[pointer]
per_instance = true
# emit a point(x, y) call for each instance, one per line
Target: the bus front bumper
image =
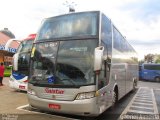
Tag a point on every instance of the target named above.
point(14, 84)
point(86, 107)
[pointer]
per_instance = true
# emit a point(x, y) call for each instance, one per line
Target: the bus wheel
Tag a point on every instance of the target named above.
point(114, 98)
point(134, 86)
point(157, 79)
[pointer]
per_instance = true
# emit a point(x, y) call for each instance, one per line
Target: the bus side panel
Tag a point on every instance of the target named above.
point(148, 74)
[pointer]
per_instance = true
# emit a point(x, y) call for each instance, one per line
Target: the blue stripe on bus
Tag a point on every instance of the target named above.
point(18, 76)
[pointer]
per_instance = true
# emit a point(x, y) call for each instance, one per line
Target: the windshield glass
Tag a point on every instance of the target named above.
point(69, 25)
point(23, 58)
point(23, 64)
point(63, 63)
point(25, 46)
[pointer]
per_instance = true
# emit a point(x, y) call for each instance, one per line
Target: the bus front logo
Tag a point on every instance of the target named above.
point(54, 91)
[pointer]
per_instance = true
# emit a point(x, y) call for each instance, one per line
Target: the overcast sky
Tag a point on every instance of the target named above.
point(137, 20)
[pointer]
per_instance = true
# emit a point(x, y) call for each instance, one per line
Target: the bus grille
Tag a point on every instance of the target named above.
point(56, 96)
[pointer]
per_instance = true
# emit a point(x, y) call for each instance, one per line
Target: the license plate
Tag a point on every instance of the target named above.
point(54, 106)
point(21, 87)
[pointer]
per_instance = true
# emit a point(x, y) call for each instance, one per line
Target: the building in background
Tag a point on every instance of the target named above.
point(6, 56)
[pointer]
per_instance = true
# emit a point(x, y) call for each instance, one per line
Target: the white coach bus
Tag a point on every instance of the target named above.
point(80, 64)
point(19, 77)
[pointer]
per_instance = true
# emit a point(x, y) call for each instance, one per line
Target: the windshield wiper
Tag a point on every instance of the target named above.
point(69, 80)
point(35, 80)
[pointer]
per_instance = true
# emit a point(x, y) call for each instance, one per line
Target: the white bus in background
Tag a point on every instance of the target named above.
point(19, 77)
point(80, 64)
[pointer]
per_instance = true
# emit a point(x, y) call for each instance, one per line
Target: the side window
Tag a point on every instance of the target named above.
point(116, 39)
point(107, 34)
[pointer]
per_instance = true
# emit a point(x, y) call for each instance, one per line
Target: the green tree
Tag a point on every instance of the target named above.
point(157, 59)
point(149, 58)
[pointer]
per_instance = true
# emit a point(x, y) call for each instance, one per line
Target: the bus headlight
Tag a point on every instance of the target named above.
point(32, 92)
point(86, 95)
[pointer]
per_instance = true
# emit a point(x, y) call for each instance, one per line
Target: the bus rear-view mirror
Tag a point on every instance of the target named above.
point(98, 57)
point(15, 62)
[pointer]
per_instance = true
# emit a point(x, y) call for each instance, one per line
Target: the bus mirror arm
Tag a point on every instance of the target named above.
point(15, 62)
point(105, 58)
point(98, 58)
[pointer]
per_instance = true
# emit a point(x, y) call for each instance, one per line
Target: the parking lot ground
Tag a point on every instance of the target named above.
point(11, 100)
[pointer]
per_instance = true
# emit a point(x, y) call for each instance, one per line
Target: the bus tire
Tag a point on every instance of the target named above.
point(157, 79)
point(134, 86)
point(114, 98)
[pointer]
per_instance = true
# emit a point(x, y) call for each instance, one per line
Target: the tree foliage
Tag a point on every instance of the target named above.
point(157, 59)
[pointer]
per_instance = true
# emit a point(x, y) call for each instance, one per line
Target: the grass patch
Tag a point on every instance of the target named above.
point(7, 72)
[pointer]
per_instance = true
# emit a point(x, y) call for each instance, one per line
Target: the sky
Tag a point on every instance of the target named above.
point(137, 20)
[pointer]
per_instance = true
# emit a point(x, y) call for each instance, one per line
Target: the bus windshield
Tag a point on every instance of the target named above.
point(63, 63)
point(23, 58)
point(23, 64)
point(25, 46)
point(82, 24)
